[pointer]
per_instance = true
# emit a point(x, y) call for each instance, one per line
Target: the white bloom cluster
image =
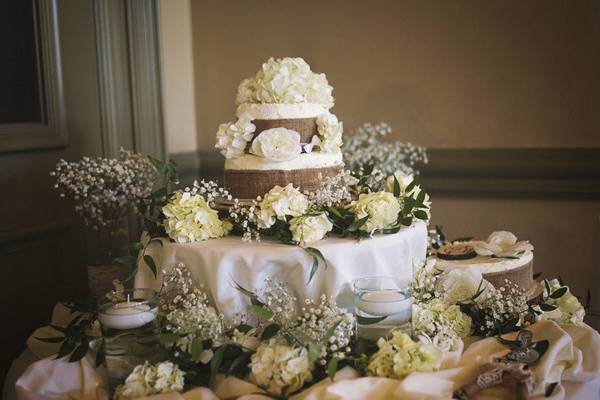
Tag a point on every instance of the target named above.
point(568, 308)
point(424, 282)
point(104, 190)
point(186, 311)
point(309, 228)
point(233, 138)
point(330, 133)
point(364, 146)
point(461, 285)
point(189, 217)
point(280, 203)
point(400, 355)
point(246, 217)
point(501, 244)
point(316, 319)
point(500, 306)
point(334, 191)
point(280, 369)
point(442, 324)
point(380, 208)
point(286, 80)
point(277, 144)
point(278, 298)
point(147, 380)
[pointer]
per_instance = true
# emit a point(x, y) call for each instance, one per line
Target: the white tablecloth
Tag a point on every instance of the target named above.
point(573, 358)
point(217, 263)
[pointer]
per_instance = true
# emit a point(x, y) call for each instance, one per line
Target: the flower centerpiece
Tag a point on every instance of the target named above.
point(105, 191)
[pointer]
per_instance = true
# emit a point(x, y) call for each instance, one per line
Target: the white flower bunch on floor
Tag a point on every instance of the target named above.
point(186, 311)
point(400, 355)
point(442, 324)
point(147, 380)
point(314, 324)
point(105, 190)
point(279, 368)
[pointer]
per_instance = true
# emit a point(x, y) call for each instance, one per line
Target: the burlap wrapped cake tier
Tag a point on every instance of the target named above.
point(522, 276)
point(306, 127)
point(248, 184)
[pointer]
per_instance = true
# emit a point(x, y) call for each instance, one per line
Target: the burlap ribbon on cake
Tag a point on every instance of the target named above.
point(248, 184)
point(306, 127)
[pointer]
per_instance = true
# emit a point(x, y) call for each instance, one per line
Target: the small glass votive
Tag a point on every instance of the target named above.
point(130, 331)
point(381, 304)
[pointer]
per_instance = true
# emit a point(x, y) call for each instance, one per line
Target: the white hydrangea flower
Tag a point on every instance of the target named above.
point(461, 284)
point(277, 144)
point(381, 208)
point(189, 218)
point(286, 80)
point(280, 369)
point(308, 229)
point(147, 380)
point(441, 323)
point(568, 308)
point(330, 133)
point(279, 203)
point(501, 244)
point(233, 138)
point(400, 355)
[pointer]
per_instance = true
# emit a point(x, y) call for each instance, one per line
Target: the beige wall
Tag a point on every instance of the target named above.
point(443, 73)
point(178, 75)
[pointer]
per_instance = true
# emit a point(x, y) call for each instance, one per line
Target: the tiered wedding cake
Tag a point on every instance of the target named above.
point(284, 131)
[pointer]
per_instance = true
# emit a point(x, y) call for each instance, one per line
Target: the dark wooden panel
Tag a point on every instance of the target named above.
point(543, 173)
point(30, 285)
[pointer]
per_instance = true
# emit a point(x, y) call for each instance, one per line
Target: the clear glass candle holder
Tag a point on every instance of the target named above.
point(130, 330)
point(381, 304)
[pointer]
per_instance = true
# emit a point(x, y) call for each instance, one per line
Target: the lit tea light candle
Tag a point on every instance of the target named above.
point(127, 315)
point(384, 303)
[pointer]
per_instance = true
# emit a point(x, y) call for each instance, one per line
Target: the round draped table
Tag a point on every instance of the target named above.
point(218, 263)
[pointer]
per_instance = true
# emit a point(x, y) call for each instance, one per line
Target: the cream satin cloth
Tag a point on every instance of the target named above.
point(573, 358)
point(217, 263)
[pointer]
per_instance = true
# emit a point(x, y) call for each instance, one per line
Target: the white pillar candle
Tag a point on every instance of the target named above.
point(384, 303)
point(127, 315)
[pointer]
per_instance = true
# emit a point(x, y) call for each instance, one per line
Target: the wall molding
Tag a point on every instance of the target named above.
point(114, 87)
point(572, 173)
point(558, 173)
point(52, 131)
point(129, 78)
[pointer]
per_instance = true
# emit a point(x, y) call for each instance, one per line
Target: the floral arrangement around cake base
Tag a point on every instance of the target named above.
point(282, 346)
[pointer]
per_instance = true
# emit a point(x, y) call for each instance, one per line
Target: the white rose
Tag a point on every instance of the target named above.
point(308, 229)
point(279, 203)
point(381, 208)
point(501, 244)
point(461, 284)
point(403, 179)
point(277, 144)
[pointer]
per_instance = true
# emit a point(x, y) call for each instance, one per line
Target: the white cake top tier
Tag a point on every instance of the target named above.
point(303, 161)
